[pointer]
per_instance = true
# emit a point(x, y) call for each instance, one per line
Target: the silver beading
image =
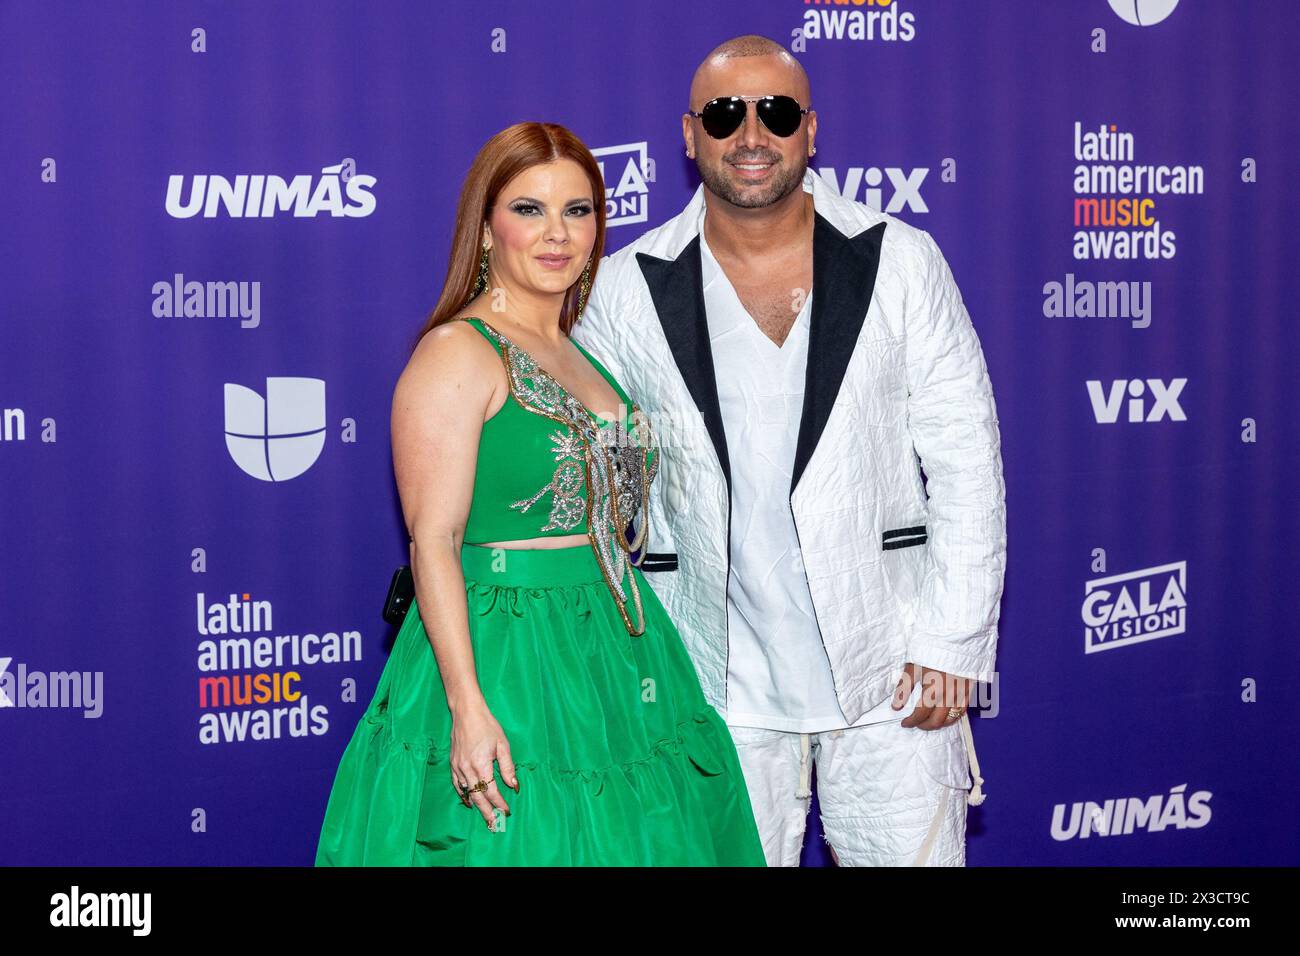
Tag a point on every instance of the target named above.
point(618, 465)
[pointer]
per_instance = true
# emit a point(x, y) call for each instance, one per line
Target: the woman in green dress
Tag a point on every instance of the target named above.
point(539, 707)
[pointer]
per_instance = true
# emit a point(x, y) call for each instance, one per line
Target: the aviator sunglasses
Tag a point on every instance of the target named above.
point(722, 116)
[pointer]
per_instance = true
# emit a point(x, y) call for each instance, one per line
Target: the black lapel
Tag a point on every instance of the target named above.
point(844, 275)
point(677, 289)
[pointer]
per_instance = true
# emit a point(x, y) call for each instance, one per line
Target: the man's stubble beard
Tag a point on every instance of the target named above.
point(785, 181)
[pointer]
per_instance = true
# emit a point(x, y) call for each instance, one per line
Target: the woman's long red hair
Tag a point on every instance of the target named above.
point(506, 155)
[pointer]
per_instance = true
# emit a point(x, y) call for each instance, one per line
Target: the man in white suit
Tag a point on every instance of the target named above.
point(800, 354)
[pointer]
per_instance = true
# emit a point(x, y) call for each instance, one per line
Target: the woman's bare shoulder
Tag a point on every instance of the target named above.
point(451, 355)
point(454, 341)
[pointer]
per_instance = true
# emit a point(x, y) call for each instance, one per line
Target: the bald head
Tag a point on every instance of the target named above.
point(728, 60)
point(750, 166)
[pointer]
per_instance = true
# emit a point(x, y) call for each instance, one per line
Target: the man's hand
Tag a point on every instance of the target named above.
point(940, 692)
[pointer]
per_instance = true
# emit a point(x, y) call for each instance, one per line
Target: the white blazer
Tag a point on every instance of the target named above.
point(895, 370)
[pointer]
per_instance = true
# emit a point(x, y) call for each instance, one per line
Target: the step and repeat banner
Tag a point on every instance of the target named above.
point(226, 221)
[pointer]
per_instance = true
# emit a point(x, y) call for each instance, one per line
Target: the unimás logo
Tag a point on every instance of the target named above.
point(278, 437)
point(1149, 399)
point(1137, 606)
point(340, 191)
point(627, 190)
point(1120, 816)
point(1143, 13)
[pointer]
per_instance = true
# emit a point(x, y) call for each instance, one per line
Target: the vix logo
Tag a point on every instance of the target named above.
point(1164, 400)
point(1143, 13)
point(278, 437)
point(906, 185)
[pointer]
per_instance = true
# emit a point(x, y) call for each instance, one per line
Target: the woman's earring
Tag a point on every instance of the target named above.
point(814, 151)
point(584, 287)
point(481, 282)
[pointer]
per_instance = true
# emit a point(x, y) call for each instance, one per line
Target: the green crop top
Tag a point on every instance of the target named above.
point(539, 455)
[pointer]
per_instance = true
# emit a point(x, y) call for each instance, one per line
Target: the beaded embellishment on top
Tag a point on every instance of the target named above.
point(611, 461)
point(567, 507)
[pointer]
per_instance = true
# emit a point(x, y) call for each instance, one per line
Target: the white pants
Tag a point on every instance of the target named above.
point(889, 795)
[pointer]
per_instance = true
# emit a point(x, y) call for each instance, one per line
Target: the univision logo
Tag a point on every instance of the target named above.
point(1143, 13)
point(280, 436)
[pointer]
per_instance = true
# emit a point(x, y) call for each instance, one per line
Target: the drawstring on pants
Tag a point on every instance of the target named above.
point(805, 773)
point(976, 795)
point(974, 798)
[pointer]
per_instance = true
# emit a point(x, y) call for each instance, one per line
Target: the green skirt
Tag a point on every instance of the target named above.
point(621, 760)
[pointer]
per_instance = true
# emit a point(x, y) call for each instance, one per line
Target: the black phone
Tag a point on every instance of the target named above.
point(401, 592)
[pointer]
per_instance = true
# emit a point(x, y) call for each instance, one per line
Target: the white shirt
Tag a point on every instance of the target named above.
point(778, 674)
